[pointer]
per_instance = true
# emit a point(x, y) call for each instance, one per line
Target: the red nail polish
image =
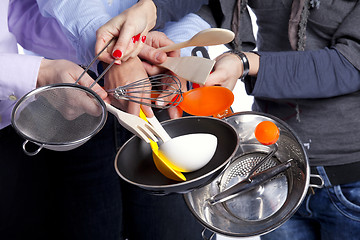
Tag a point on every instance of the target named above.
point(212, 71)
point(117, 54)
point(136, 38)
point(195, 85)
point(143, 38)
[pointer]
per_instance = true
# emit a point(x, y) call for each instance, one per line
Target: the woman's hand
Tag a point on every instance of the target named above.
point(152, 56)
point(126, 73)
point(130, 28)
point(227, 70)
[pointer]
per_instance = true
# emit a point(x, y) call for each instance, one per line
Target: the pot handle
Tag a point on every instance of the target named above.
point(31, 153)
point(204, 237)
point(321, 185)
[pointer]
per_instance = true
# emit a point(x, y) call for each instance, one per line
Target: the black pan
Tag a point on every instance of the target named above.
point(134, 162)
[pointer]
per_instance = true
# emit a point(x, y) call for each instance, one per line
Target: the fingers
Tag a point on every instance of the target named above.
point(152, 54)
point(87, 81)
point(175, 112)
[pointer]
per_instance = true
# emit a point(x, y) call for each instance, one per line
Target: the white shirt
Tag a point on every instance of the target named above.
point(80, 20)
point(18, 73)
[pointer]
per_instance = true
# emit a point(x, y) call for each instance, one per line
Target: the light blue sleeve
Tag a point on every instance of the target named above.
point(79, 20)
point(184, 29)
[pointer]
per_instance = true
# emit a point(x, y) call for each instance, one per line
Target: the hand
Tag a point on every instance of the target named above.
point(131, 28)
point(152, 56)
point(124, 74)
point(227, 70)
point(63, 71)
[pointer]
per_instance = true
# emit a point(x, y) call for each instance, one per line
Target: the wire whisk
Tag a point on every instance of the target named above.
point(161, 91)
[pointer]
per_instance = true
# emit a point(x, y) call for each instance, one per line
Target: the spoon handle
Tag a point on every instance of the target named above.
point(175, 46)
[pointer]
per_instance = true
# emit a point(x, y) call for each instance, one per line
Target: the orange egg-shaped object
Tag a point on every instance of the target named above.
point(267, 132)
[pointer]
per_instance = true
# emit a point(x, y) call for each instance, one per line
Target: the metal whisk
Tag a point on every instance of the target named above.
point(162, 91)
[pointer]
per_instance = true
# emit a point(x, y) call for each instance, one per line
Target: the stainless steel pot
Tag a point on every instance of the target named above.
point(266, 206)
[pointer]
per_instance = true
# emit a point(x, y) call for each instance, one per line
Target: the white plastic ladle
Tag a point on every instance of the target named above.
point(185, 153)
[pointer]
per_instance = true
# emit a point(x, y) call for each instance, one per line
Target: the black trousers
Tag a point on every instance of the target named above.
point(78, 195)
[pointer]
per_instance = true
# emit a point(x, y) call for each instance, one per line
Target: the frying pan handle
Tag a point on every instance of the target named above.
point(31, 153)
point(204, 237)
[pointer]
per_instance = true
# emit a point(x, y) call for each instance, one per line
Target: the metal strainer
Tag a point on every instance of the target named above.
point(64, 116)
point(59, 117)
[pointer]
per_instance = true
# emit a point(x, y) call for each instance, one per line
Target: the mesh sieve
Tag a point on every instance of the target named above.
point(59, 114)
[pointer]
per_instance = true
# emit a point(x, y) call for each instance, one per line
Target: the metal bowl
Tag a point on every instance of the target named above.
point(134, 162)
point(265, 207)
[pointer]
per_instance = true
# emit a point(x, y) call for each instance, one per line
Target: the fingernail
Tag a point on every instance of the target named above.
point(117, 54)
point(143, 38)
point(136, 38)
point(212, 71)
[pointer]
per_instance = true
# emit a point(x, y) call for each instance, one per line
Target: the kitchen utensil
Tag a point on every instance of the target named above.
point(158, 89)
point(185, 153)
point(134, 162)
point(193, 69)
point(64, 116)
point(249, 183)
point(134, 124)
point(207, 37)
point(40, 117)
point(260, 208)
point(189, 152)
point(161, 163)
point(207, 101)
point(267, 133)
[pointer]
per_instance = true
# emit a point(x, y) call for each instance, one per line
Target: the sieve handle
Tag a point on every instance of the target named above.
point(31, 153)
point(249, 183)
point(203, 234)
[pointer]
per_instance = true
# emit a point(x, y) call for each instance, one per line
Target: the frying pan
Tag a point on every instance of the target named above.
point(134, 162)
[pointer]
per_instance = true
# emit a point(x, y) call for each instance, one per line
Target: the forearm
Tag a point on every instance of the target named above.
point(80, 30)
point(174, 10)
point(309, 74)
point(15, 81)
point(39, 34)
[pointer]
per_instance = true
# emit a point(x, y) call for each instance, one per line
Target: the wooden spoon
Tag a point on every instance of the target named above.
point(207, 37)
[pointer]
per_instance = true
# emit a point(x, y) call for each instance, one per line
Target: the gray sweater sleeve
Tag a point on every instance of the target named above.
point(173, 10)
point(309, 74)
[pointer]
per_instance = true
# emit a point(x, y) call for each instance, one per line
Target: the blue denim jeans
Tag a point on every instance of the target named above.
point(77, 195)
point(332, 213)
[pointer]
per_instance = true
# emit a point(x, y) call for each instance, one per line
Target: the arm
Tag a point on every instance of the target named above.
point(318, 73)
point(309, 74)
point(280, 75)
point(15, 81)
point(176, 9)
point(80, 30)
point(47, 38)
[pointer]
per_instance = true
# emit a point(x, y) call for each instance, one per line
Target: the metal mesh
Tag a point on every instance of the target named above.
point(241, 167)
point(60, 114)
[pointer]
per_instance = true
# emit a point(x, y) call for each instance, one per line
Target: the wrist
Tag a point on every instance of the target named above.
point(43, 74)
point(245, 63)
